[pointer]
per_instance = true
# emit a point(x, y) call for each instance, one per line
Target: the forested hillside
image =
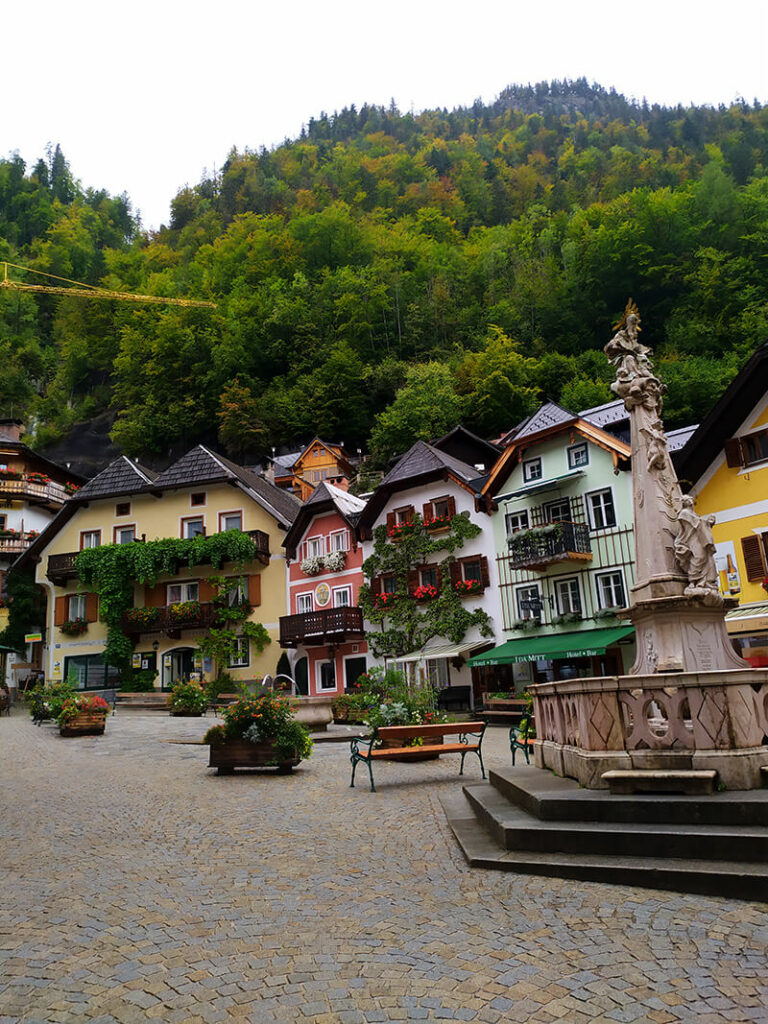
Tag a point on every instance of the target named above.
point(387, 274)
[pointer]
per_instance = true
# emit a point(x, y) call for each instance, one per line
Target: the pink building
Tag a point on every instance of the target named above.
point(325, 572)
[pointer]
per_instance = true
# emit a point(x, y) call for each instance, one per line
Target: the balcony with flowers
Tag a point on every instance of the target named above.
point(36, 488)
point(14, 542)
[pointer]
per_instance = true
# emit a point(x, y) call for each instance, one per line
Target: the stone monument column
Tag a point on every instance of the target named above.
point(676, 606)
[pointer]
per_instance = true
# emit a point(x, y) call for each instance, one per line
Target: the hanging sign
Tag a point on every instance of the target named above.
point(135, 661)
point(33, 638)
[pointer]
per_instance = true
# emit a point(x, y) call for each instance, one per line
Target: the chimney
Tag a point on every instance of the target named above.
point(11, 430)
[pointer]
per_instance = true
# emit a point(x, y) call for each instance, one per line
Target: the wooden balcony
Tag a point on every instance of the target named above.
point(51, 495)
point(170, 619)
point(12, 546)
point(319, 629)
point(544, 546)
point(61, 567)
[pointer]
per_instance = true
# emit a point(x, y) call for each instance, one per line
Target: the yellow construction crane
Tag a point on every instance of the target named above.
point(87, 291)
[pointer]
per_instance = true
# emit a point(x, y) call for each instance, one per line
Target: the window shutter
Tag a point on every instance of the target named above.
point(734, 453)
point(409, 513)
point(60, 611)
point(451, 505)
point(376, 585)
point(426, 510)
point(413, 581)
point(455, 570)
point(91, 607)
point(154, 597)
point(390, 520)
point(485, 575)
point(206, 592)
point(754, 561)
point(254, 590)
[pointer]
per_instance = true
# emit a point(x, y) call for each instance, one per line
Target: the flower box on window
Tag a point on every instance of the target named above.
point(336, 561)
point(184, 611)
point(9, 474)
point(469, 586)
point(38, 478)
point(313, 565)
point(401, 530)
point(437, 522)
point(426, 592)
point(384, 600)
point(142, 616)
point(74, 627)
point(70, 488)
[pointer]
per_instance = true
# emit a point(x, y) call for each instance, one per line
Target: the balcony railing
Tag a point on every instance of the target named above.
point(48, 494)
point(331, 626)
point(170, 619)
point(542, 546)
point(15, 545)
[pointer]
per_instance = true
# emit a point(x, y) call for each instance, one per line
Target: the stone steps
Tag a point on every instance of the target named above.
point(691, 783)
point(727, 878)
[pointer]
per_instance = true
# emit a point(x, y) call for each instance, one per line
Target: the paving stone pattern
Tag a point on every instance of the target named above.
point(140, 886)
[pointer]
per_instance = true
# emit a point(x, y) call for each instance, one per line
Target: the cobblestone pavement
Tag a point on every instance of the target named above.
point(138, 885)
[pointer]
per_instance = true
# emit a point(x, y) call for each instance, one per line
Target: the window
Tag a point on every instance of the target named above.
point(557, 511)
point(314, 547)
point(472, 569)
point(304, 604)
point(230, 521)
point(568, 596)
point(437, 672)
point(404, 515)
point(532, 470)
point(123, 508)
point(601, 511)
point(125, 534)
point(90, 672)
point(317, 476)
point(238, 592)
point(388, 584)
point(428, 576)
point(528, 601)
point(90, 539)
point(178, 592)
point(3, 520)
point(316, 453)
point(76, 607)
point(610, 590)
point(339, 541)
point(517, 521)
point(192, 526)
point(240, 656)
point(197, 498)
point(327, 671)
point(578, 455)
point(342, 597)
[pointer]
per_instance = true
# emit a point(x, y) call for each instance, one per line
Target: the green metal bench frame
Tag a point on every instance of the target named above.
point(519, 740)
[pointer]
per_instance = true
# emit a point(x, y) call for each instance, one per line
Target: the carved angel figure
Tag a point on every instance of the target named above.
point(657, 444)
point(695, 548)
point(635, 381)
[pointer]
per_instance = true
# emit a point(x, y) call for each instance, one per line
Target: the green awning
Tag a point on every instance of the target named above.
point(555, 646)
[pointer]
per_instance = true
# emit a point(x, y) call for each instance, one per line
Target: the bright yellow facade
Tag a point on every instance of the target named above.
point(154, 516)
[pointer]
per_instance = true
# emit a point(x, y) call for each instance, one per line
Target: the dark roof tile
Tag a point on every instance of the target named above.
point(120, 477)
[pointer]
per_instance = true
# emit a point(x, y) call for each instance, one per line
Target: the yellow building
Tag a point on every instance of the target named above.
point(724, 466)
point(201, 494)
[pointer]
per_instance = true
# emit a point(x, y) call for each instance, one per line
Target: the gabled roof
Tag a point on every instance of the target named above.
point(120, 477)
point(550, 414)
point(461, 442)
point(420, 464)
point(324, 498)
point(746, 389)
point(550, 425)
point(336, 450)
point(606, 414)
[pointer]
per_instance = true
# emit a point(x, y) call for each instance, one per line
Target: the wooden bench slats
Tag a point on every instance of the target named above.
point(405, 732)
point(387, 732)
point(442, 748)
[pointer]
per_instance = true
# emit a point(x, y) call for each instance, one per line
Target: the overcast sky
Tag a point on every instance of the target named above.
point(143, 96)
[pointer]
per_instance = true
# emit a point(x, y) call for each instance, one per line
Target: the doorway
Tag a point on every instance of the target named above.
point(177, 664)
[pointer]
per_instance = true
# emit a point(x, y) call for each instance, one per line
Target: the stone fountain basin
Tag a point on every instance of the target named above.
point(314, 713)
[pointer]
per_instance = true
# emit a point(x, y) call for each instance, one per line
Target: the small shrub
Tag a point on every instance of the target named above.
point(188, 697)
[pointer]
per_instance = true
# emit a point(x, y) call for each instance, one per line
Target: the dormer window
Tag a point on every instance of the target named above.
point(578, 455)
point(532, 470)
point(197, 498)
point(123, 508)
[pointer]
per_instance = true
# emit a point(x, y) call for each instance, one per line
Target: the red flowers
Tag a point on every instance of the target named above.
point(384, 600)
point(425, 592)
point(469, 586)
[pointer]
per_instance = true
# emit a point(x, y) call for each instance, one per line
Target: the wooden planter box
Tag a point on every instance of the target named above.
point(85, 724)
point(243, 754)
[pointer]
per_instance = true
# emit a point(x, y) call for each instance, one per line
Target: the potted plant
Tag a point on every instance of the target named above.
point(312, 566)
point(38, 478)
point(146, 616)
point(258, 732)
point(83, 714)
point(188, 699)
point(469, 586)
point(70, 488)
point(336, 561)
point(74, 627)
point(184, 611)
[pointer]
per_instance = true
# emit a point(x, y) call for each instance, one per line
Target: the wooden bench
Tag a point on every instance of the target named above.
point(519, 740)
point(363, 749)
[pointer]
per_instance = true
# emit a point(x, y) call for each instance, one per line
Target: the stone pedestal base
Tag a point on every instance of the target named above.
point(681, 634)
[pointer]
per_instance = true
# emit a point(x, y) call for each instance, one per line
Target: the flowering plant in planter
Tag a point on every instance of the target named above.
point(187, 698)
point(81, 703)
point(146, 616)
point(336, 561)
point(764, 583)
point(384, 600)
point(38, 478)
point(401, 530)
point(71, 488)
point(10, 534)
point(267, 718)
point(32, 534)
point(9, 474)
point(437, 522)
point(425, 592)
point(184, 611)
point(469, 586)
point(312, 566)
point(74, 627)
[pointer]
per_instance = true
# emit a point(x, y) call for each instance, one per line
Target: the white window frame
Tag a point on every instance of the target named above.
point(549, 505)
point(302, 599)
point(522, 517)
point(76, 607)
point(189, 590)
point(314, 547)
point(614, 574)
point(89, 534)
point(560, 584)
point(404, 514)
point(223, 516)
point(319, 677)
point(338, 540)
point(238, 592)
point(573, 453)
point(186, 520)
point(532, 470)
point(527, 588)
point(389, 578)
point(437, 672)
point(602, 507)
point(241, 655)
point(118, 532)
point(337, 592)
